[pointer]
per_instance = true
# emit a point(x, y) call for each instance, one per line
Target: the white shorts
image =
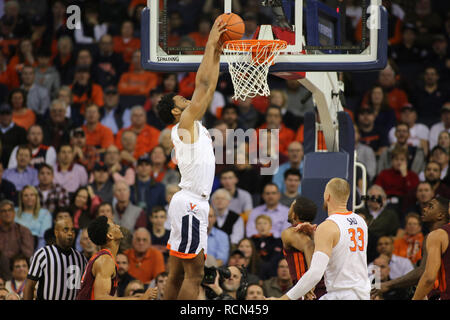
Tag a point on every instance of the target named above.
point(345, 295)
point(188, 214)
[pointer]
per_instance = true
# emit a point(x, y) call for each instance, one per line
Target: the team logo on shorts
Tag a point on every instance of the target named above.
point(192, 208)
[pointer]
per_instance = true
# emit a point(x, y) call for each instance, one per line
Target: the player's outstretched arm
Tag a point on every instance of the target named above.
point(434, 248)
point(206, 78)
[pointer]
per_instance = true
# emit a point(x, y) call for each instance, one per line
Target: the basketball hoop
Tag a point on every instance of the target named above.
point(249, 62)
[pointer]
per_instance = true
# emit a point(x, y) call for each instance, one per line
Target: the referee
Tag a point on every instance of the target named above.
point(57, 269)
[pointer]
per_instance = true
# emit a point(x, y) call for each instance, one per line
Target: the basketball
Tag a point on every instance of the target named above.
point(235, 27)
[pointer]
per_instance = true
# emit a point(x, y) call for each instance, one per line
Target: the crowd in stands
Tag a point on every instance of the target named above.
point(80, 137)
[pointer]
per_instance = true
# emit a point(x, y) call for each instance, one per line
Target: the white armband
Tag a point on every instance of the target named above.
point(315, 272)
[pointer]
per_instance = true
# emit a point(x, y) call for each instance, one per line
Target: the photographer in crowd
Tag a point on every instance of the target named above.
point(225, 283)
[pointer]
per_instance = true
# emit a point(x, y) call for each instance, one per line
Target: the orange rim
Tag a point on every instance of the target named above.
point(243, 45)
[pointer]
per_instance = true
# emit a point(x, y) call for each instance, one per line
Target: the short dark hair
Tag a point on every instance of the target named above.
point(231, 107)
point(18, 257)
point(61, 209)
point(305, 209)
point(293, 172)
point(157, 209)
point(226, 170)
point(164, 108)
point(98, 229)
point(45, 165)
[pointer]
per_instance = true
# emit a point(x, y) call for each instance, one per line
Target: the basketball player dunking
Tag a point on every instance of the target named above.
point(189, 208)
point(340, 252)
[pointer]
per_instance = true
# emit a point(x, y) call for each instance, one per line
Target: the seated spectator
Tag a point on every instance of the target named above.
point(227, 220)
point(84, 155)
point(255, 292)
point(56, 127)
point(85, 244)
point(113, 115)
point(126, 43)
point(366, 156)
point(398, 181)
point(385, 117)
point(410, 245)
point(443, 125)
point(14, 237)
point(247, 174)
point(241, 200)
point(165, 141)
point(127, 154)
point(8, 77)
point(160, 283)
point(169, 83)
point(146, 192)
point(272, 208)
point(89, 29)
point(40, 153)
point(24, 174)
point(102, 183)
point(279, 98)
point(147, 136)
point(138, 81)
point(30, 214)
point(85, 91)
point(11, 134)
point(424, 193)
point(64, 61)
point(159, 234)
point(7, 189)
point(152, 112)
point(37, 96)
point(108, 65)
point(237, 258)
point(381, 219)
point(19, 271)
point(83, 206)
point(122, 270)
point(248, 115)
point(432, 175)
point(418, 132)
point(218, 241)
point(51, 195)
point(134, 288)
point(416, 155)
point(295, 155)
point(118, 171)
point(299, 99)
point(97, 134)
point(427, 21)
point(230, 115)
point(251, 257)
point(171, 189)
point(439, 55)
point(145, 262)
point(292, 179)
point(439, 155)
point(444, 140)
point(21, 114)
point(278, 285)
point(24, 55)
point(127, 214)
point(269, 248)
point(160, 170)
point(46, 75)
point(69, 174)
point(371, 135)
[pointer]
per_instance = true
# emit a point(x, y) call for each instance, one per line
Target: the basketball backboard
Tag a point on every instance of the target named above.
point(319, 40)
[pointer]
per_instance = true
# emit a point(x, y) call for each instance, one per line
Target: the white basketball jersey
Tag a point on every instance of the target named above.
point(347, 268)
point(196, 161)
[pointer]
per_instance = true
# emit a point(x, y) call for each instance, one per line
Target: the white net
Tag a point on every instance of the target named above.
point(248, 64)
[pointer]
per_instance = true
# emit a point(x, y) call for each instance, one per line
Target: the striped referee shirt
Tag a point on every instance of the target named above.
point(57, 272)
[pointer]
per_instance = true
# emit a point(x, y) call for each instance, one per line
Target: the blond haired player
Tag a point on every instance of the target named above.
point(340, 252)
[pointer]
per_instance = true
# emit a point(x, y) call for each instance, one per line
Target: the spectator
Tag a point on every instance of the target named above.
point(14, 237)
point(97, 134)
point(137, 81)
point(113, 115)
point(424, 193)
point(85, 244)
point(40, 153)
point(410, 245)
point(85, 155)
point(7, 189)
point(248, 114)
point(68, 174)
point(433, 175)
point(295, 161)
point(89, 30)
point(292, 179)
point(241, 200)
point(418, 132)
point(279, 98)
point(23, 174)
point(227, 220)
point(159, 234)
point(247, 174)
point(230, 115)
point(254, 292)
point(30, 214)
point(385, 117)
point(147, 136)
point(51, 195)
point(218, 241)
point(169, 83)
point(443, 125)
point(146, 192)
point(65, 60)
point(416, 155)
point(160, 282)
point(84, 90)
point(171, 189)
point(145, 262)
point(108, 65)
point(426, 21)
point(444, 140)
point(438, 57)
point(84, 204)
point(134, 288)
point(381, 218)
point(24, 56)
point(118, 171)
point(366, 156)
point(57, 127)
point(102, 184)
point(272, 208)
point(21, 114)
point(127, 154)
point(281, 283)
point(160, 169)
point(11, 134)
point(19, 271)
point(126, 43)
point(152, 112)
point(251, 259)
point(299, 99)
point(439, 155)
point(122, 270)
point(46, 75)
point(8, 76)
point(37, 96)
point(126, 214)
point(371, 135)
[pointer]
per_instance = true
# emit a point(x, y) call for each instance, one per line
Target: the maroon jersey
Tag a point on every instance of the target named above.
point(444, 271)
point(87, 281)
